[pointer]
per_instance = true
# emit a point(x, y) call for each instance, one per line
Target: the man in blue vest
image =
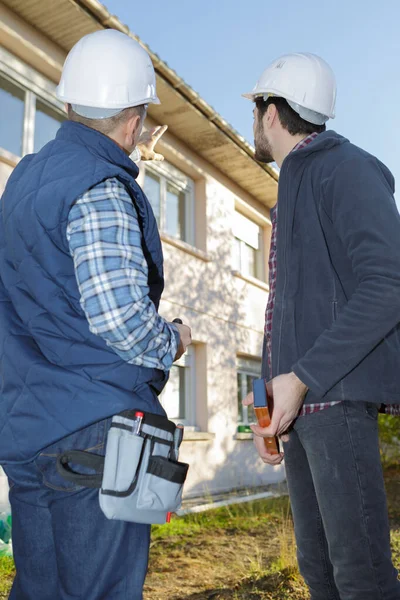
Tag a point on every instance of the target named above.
point(81, 277)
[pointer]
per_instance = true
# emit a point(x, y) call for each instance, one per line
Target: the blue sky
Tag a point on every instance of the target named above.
point(220, 47)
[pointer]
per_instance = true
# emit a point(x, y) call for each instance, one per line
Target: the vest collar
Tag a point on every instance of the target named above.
point(97, 143)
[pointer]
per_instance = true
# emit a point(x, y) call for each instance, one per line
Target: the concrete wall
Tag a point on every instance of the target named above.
point(5, 172)
point(226, 313)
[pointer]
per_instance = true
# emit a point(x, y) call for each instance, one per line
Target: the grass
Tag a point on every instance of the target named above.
point(240, 552)
point(240, 516)
point(6, 575)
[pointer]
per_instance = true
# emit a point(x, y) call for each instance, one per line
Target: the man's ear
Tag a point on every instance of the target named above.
point(270, 116)
point(132, 129)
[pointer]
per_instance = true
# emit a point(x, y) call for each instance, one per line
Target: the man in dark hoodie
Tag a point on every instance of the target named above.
point(332, 345)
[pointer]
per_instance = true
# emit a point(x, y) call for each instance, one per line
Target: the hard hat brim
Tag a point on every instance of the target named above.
point(249, 96)
point(252, 96)
point(120, 106)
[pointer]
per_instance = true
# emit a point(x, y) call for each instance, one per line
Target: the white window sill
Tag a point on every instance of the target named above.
point(9, 158)
point(253, 280)
point(168, 239)
point(198, 436)
point(243, 436)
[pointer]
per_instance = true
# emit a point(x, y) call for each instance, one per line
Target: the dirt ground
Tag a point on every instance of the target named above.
point(209, 562)
point(241, 563)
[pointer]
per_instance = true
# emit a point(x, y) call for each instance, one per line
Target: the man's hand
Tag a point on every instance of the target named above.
point(287, 393)
point(186, 339)
point(147, 142)
point(270, 459)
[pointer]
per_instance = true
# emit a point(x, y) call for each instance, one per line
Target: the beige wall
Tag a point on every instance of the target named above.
point(5, 172)
point(226, 314)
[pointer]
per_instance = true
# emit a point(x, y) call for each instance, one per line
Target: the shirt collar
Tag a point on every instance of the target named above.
point(307, 140)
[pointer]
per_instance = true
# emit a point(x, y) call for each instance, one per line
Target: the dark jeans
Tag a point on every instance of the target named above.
point(339, 506)
point(64, 547)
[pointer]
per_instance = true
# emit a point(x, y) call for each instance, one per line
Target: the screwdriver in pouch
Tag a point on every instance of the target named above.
point(137, 424)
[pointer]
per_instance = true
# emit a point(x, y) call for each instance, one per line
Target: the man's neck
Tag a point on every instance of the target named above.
point(286, 146)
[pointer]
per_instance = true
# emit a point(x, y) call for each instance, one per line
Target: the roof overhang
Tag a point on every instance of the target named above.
point(62, 23)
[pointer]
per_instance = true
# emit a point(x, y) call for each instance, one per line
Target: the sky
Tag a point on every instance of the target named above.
point(221, 47)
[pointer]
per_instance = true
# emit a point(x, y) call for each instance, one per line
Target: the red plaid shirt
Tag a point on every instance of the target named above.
point(307, 409)
point(272, 264)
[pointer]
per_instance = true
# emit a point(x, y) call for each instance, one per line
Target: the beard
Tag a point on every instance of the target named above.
point(263, 147)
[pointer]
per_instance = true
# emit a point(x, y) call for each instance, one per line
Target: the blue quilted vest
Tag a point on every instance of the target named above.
point(56, 376)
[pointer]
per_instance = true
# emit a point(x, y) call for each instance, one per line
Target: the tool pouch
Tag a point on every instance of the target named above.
point(142, 480)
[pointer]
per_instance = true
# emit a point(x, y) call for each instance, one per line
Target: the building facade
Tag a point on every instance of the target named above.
point(211, 200)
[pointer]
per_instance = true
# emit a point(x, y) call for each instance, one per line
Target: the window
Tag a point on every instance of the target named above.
point(247, 370)
point(152, 189)
point(12, 100)
point(178, 395)
point(47, 123)
point(31, 115)
point(171, 195)
point(248, 247)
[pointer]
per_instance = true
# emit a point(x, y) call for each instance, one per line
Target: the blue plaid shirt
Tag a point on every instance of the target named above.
point(112, 274)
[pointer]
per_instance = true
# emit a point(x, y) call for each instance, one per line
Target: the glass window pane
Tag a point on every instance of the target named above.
point(236, 254)
point(251, 417)
point(246, 230)
point(260, 273)
point(252, 366)
point(182, 217)
point(175, 212)
point(245, 386)
point(248, 369)
point(152, 189)
point(182, 392)
point(172, 212)
point(173, 398)
point(248, 256)
point(47, 123)
point(12, 106)
point(239, 395)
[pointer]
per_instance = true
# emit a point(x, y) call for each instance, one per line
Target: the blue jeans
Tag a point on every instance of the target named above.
point(64, 547)
point(338, 500)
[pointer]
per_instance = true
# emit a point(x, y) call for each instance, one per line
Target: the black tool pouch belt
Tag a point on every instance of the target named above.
point(140, 478)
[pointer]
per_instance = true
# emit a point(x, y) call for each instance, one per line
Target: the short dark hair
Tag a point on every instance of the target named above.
point(288, 118)
point(107, 126)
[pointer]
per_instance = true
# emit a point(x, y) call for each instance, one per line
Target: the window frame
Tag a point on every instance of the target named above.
point(259, 258)
point(245, 367)
point(168, 174)
point(34, 85)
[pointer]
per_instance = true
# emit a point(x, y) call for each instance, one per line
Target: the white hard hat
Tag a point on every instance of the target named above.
point(307, 83)
point(104, 73)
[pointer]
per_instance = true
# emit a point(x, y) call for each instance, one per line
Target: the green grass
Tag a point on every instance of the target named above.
point(238, 517)
point(6, 575)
